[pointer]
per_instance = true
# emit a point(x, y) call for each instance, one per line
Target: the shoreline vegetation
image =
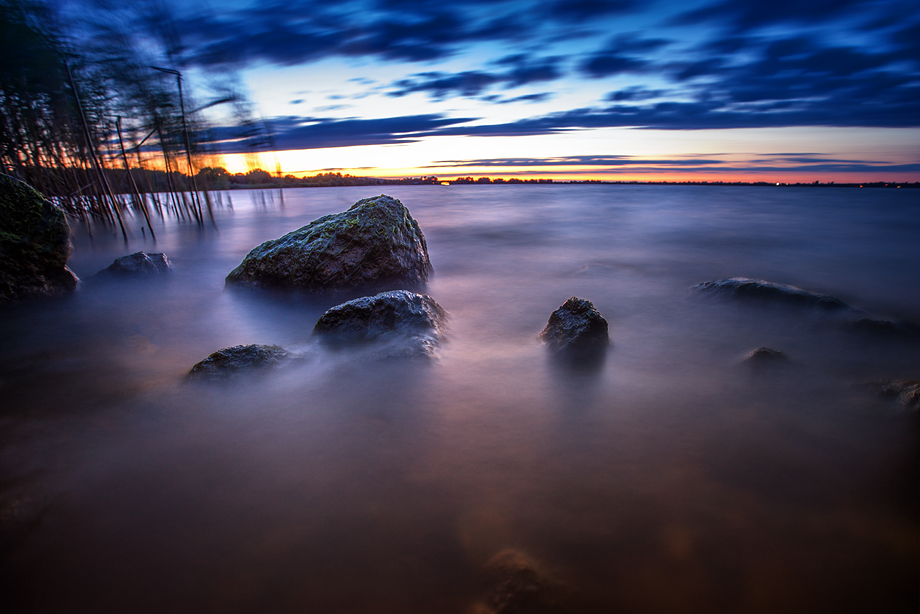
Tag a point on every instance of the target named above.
point(91, 108)
point(208, 179)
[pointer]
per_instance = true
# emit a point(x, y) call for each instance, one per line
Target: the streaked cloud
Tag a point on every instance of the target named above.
point(418, 69)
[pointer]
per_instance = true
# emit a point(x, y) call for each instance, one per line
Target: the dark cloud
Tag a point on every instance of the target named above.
point(907, 40)
point(314, 133)
point(700, 115)
point(623, 54)
point(752, 64)
point(295, 32)
point(541, 97)
point(584, 10)
point(634, 93)
point(605, 161)
point(310, 133)
point(750, 14)
point(607, 64)
point(519, 70)
point(688, 164)
point(440, 85)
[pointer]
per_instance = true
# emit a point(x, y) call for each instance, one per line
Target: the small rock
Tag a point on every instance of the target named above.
point(414, 322)
point(765, 355)
point(34, 244)
point(576, 327)
point(907, 392)
point(742, 287)
point(516, 584)
point(237, 360)
point(140, 264)
point(374, 245)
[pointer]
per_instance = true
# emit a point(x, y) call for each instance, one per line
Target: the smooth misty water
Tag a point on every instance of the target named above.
point(671, 479)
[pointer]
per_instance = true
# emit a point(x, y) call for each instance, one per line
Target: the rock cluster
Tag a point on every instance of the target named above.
point(140, 264)
point(34, 244)
point(376, 244)
point(846, 315)
point(398, 323)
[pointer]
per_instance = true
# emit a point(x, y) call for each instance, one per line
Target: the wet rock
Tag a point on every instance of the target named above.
point(742, 287)
point(516, 584)
point(34, 244)
point(375, 244)
point(906, 392)
point(764, 355)
point(140, 264)
point(576, 329)
point(239, 360)
point(412, 324)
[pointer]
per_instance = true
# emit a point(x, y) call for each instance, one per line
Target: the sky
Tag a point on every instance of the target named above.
point(620, 90)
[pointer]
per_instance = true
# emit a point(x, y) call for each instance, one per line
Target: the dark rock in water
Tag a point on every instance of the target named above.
point(907, 392)
point(576, 329)
point(848, 317)
point(764, 355)
point(34, 244)
point(412, 323)
point(140, 264)
point(742, 287)
point(238, 360)
point(516, 584)
point(886, 328)
point(375, 244)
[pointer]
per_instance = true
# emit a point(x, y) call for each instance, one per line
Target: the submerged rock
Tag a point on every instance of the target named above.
point(140, 264)
point(907, 392)
point(375, 244)
point(34, 244)
point(885, 328)
point(516, 584)
point(743, 287)
point(411, 323)
point(764, 355)
point(847, 316)
point(238, 360)
point(576, 329)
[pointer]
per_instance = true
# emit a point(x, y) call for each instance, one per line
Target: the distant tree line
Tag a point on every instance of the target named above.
point(499, 180)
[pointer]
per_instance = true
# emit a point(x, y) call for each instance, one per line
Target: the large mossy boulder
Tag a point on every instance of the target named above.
point(406, 323)
point(374, 245)
point(34, 244)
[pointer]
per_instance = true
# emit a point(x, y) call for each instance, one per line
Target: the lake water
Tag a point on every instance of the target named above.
point(672, 478)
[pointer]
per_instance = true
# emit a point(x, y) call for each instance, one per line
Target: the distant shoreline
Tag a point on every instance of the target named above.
point(448, 183)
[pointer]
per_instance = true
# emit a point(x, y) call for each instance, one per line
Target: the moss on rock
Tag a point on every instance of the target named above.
point(34, 244)
point(376, 244)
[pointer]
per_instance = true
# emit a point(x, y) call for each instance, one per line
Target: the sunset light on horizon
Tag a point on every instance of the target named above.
point(614, 90)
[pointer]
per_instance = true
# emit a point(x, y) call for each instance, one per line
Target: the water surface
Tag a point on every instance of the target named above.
point(671, 478)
